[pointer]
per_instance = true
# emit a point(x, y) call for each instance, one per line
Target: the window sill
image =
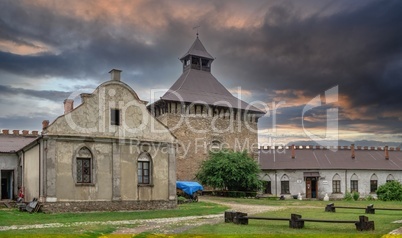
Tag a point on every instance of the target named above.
point(337, 193)
point(84, 184)
point(144, 185)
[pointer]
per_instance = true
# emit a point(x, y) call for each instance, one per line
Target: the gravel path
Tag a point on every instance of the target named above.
point(179, 225)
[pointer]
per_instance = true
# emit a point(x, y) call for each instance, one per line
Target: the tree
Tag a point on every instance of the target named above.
point(235, 171)
point(390, 191)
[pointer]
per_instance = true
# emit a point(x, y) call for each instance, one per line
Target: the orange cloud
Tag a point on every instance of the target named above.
point(34, 47)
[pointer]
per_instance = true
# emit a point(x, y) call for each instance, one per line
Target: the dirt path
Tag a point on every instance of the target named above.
point(173, 225)
point(176, 225)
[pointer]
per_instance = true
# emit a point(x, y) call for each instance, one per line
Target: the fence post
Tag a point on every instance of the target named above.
point(330, 208)
point(229, 216)
point(370, 209)
point(364, 224)
point(295, 221)
point(240, 218)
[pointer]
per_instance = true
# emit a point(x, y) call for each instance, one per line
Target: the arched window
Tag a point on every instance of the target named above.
point(373, 183)
point(84, 166)
point(336, 184)
point(354, 183)
point(144, 168)
point(285, 185)
point(266, 181)
point(390, 178)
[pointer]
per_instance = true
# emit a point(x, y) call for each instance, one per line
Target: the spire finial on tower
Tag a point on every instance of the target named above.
point(196, 27)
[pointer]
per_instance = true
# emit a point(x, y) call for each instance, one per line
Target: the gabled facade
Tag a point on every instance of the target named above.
point(204, 115)
point(108, 153)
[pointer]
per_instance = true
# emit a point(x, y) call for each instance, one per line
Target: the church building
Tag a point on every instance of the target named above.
point(108, 153)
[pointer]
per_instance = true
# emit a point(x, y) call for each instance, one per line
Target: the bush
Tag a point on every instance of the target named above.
point(181, 199)
point(355, 196)
point(369, 198)
point(234, 171)
point(348, 197)
point(390, 191)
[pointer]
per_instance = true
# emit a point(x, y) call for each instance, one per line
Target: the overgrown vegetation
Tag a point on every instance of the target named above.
point(390, 191)
point(351, 196)
point(235, 171)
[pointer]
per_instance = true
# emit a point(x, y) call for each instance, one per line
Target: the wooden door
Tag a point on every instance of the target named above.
point(308, 188)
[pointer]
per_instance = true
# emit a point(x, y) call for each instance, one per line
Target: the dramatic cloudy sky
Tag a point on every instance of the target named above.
point(282, 53)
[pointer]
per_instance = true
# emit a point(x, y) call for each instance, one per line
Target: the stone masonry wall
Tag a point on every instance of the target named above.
point(196, 133)
point(54, 207)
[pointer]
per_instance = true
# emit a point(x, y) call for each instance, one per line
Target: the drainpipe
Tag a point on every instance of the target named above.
point(23, 171)
point(276, 184)
point(346, 181)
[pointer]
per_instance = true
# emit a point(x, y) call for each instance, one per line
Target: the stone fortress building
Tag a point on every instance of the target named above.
point(204, 115)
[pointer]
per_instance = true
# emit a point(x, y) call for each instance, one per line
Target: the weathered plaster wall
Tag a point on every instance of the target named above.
point(114, 148)
point(92, 118)
point(66, 187)
point(31, 173)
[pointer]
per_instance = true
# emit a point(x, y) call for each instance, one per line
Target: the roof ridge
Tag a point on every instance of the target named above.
point(185, 78)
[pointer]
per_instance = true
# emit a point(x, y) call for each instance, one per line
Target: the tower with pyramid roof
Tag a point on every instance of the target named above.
point(204, 115)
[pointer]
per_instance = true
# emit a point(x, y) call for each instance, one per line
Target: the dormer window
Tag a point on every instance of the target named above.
point(115, 117)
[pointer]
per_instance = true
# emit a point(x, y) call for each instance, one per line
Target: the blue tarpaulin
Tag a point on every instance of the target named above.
point(189, 187)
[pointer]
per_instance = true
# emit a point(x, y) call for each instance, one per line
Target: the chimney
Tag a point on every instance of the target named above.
point(68, 105)
point(35, 133)
point(16, 132)
point(293, 152)
point(352, 148)
point(84, 97)
point(5, 132)
point(115, 74)
point(25, 132)
point(45, 124)
point(386, 152)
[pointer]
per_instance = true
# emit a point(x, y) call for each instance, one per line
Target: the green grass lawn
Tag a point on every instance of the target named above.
point(9, 217)
point(256, 228)
point(308, 209)
point(316, 203)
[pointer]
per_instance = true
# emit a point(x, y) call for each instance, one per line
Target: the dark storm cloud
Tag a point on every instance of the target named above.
point(297, 46)
point(352, 49)
point(23, 122)
point(83, 49)
point(56, 96)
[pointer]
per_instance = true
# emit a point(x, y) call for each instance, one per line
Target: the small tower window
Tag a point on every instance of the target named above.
point(115, 117)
